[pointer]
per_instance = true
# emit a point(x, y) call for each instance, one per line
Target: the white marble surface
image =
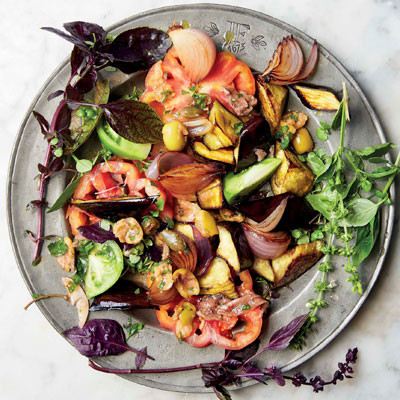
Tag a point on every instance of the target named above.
point(36, 363)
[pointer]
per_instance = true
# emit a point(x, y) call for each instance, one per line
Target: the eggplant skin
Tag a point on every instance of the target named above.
point(318, 98)
point(294, 262)
point(115, 208)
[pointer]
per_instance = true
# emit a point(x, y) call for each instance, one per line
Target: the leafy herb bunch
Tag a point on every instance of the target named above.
point(344, 194)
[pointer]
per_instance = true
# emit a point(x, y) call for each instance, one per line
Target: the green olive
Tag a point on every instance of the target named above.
point(191, 112)
point(173, 240)
point(150, 225)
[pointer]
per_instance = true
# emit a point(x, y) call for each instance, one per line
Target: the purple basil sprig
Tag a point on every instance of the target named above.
point(100, 337)
point(96, 233)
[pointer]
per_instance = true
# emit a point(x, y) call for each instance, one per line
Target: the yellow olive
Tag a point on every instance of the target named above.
point(174, 136)
point(188, 313)
point(206, 224)
point(302, 141)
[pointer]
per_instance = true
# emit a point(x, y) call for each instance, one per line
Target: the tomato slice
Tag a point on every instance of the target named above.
point(202, 339)
point(253, 320)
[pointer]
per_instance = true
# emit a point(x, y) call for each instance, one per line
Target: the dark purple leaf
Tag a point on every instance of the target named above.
point(86, 83)
point(55, 94)
point(43, 169)
point(77, 57)
point(138, 49)
point(253, 372)
point(56, 164)
point(31, 235)
point(99, 337)
point(95, 233)
point(63, 119)
point(205, 252)
point(44, 125)
point(140, 359)
point(276, 374)
point(221, 393)
point(36, 204)
point(86, 31)
point(75, 41)
point(134, 121)
point(214, 376)
point(72, 93)
point(351, 356)
point(282, 337)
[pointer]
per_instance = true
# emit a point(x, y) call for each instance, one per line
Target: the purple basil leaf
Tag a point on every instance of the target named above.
point(138, 49)
point(276, 374)
point(214, 376)
point(55, 94)
point(77, 42)
point(31, 235)
point(253, 372)
point(221, 393)
point(56, 164)
point(282, 337)
point(43, 169)
point(140, 359)
point(63, 120)
point(77, 57)
point(86, 84)
point(134, 121)
point(36, 204)
point(95, 233)
point(72, 93)
point(44, 125)
point(86, 31)
point(98, 337)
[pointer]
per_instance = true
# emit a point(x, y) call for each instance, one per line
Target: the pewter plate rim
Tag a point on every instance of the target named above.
point(270, 20)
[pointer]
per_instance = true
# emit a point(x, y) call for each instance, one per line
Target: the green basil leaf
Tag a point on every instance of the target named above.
point(366, 238)
point(377, 160)
point(360, 212)
point(382, 172)
point(322, 134)
point(316, 164)
point(337, 117)
point(375, 151)
point(134, 121)
point(65, 195)
point(325, 201)
point(84, 166)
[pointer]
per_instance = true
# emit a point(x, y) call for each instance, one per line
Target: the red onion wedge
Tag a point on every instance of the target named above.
point(205, 252)
point(287, 64)
point(166, 161)
point(266, 245)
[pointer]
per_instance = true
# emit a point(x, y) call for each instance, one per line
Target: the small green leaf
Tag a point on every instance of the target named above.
point(57, 248)
point(65, 195)
point(170, 223)
point(375, 151)
point(322, 134)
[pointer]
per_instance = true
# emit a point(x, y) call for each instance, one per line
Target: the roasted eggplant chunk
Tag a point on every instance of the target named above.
point(227, 123)
point(263, 268)
point(292, 175)
point(227, 249)
point(290, 265)
point(222, 155)
point(273, 100)
point(115, 208)
point(218, 279)
point(211, 197)
point(317, 98)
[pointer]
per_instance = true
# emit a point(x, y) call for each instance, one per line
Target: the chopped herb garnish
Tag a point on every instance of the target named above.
point(57, 248)
point(170, 223)
point(132, 328)
point(246, 307)
point(238, 128)
point(165, 94)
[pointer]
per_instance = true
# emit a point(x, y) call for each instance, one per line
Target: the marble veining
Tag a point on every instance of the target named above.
point(36, 362)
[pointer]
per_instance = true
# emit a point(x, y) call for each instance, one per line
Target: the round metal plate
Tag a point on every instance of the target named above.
point(255, 37)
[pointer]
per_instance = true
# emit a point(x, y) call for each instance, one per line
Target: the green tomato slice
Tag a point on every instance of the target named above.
point(105, 266)
point(120, 146)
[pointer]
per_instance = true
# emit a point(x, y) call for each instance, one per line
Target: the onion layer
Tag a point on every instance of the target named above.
point(287, 64)
point(186, 259)
point(266, 245)
point(205, 252)
point(166, 161)
point(189, 178)
point(196, 51)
